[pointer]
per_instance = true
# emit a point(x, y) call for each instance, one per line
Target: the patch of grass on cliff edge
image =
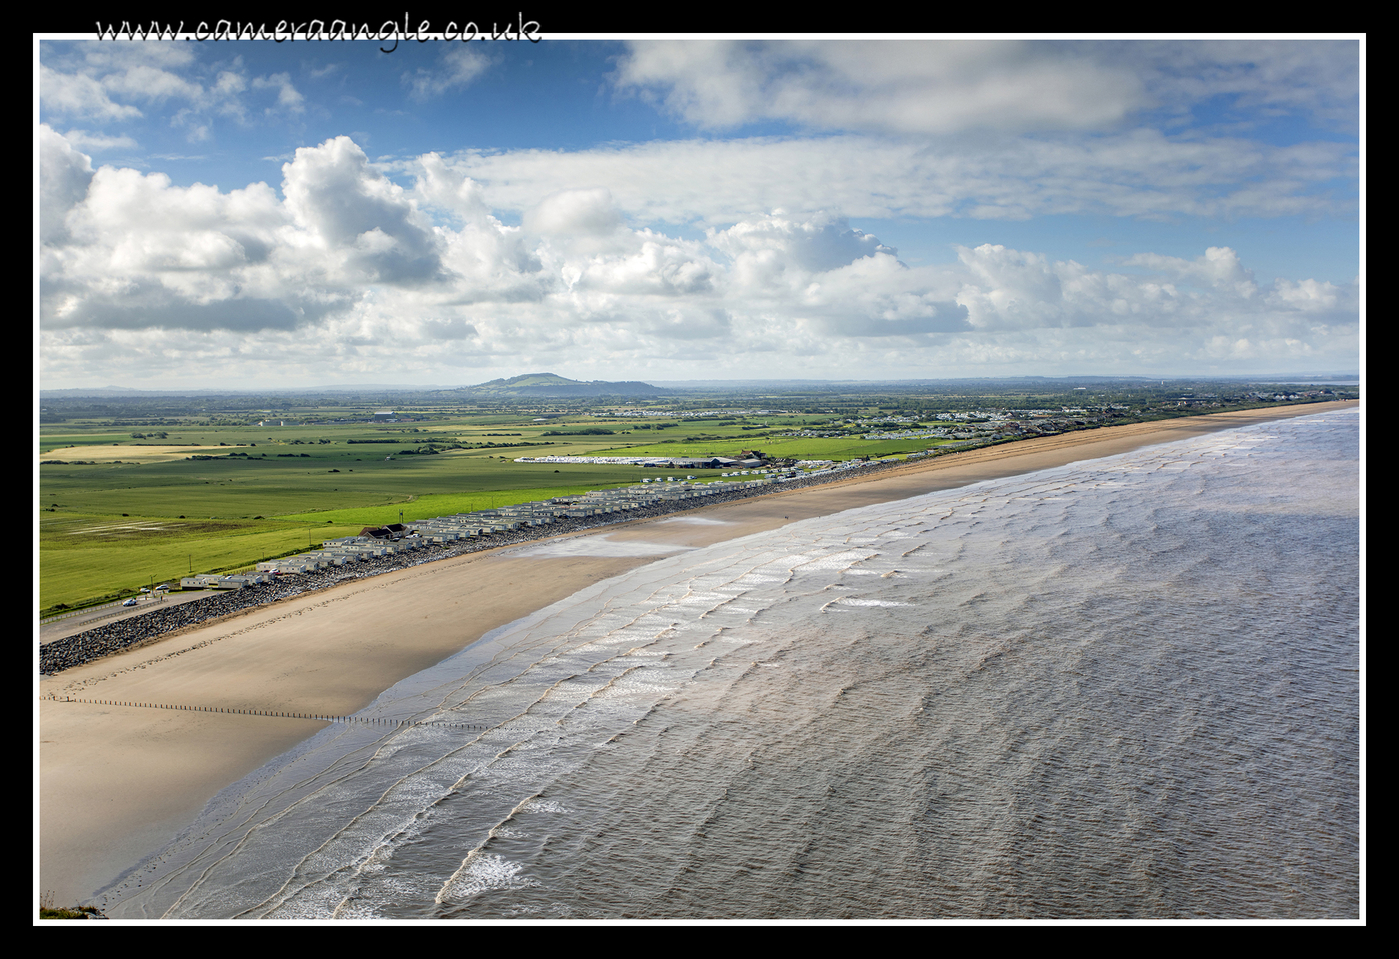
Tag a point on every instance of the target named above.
point(47, 910)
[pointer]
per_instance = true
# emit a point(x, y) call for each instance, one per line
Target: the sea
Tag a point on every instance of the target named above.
point(1127, 688)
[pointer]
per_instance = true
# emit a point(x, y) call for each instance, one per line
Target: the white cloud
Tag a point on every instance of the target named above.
point(492, 260)
point(815, 244)
point(141, 253)
point(144, 82)
point(1010, 290)
point(76, 95)
point(459, 67)
point(287, 96)
point(588, 212)
point(440, 186)
point(64, 175)
point(1139, 173)
point(352, 210)
point(1219, 267)
point(1316, 78)
point(344, 263)
point(710, 256)
point(94, 142)
point(657, 266)
point(889, 86)
point(1308, 296)
point(941, 86)
point(102, 81)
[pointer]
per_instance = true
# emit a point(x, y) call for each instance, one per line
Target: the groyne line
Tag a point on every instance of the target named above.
point(271, 714)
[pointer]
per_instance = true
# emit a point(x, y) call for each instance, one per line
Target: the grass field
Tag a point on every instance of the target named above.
point(83, 558)
point(808, 448)
point(119, 511)
point(140, 490)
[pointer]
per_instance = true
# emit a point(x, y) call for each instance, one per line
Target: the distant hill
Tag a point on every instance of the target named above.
point(552, 386)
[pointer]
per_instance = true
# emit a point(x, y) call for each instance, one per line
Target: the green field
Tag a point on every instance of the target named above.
point(799, 448)
point(146, 489)
point(118, 511)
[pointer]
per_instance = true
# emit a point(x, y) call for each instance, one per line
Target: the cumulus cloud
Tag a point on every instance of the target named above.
point(739, 252)
point(1309, 296)
point(333, 194)
point(493, 260)
point(125, 249)
point(139, 223)
point(1220, 267)
point(814, 244)
point(138, 252)
point(443, 187)
point(344, 261)
point(1006, 289)
point(1011, 290)
point(878, 296)
point(656, 266)
point(589, 212)
point(64, 175)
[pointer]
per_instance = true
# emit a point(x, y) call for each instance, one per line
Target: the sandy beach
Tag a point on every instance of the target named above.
point(115, 783)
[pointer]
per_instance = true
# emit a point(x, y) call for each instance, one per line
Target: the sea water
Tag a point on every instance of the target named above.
point(1124, 688)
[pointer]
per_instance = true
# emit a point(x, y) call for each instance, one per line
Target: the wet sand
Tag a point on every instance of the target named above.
point(115, 783)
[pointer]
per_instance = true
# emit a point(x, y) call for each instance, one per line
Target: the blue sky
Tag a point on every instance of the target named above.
point(312, 213)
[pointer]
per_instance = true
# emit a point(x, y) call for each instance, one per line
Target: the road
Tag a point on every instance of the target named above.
point(58, 629)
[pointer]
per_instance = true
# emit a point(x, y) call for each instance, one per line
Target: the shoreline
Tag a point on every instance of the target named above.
point(116, 783)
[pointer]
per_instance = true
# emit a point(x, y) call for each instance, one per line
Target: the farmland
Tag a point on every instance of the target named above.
point(124, 515)
point(117, 512)
point(143, 489)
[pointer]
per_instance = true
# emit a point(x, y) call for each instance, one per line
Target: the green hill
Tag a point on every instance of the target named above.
point(550, 385)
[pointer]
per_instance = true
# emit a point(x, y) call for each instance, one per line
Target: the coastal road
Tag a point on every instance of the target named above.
point(112, 612)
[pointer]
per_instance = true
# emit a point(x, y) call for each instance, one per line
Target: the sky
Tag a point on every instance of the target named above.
point(225, 214)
